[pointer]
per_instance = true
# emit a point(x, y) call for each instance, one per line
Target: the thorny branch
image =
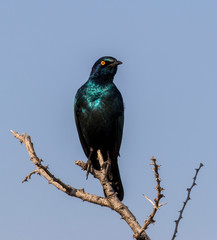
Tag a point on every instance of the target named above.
point(29, 176)
point(43, 170)
point(159, 189)
point(186, 201)
point(110, 201)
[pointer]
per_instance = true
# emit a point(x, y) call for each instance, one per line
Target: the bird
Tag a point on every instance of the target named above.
point(99, 117)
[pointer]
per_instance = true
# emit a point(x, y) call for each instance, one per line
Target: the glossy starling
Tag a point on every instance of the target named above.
point(99, 116)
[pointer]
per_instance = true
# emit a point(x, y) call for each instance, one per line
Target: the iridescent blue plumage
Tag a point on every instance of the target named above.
point(99, 116)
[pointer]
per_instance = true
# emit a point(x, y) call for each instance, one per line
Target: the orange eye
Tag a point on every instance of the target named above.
point(102, 63)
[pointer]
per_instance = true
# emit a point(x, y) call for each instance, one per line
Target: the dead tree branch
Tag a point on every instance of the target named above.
point(186, 201)
point(159, 189)
point(29, 176)
point(111, 201)
point(43, 170)
point(156, 205)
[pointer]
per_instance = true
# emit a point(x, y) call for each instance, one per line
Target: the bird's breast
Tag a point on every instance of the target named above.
point(95, 103)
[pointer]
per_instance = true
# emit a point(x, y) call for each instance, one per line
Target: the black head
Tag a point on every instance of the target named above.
point(105, 68)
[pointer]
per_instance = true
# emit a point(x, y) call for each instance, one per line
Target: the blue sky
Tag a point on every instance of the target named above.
point(169, 84)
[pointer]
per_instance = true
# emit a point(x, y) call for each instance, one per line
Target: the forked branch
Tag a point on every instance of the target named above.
point(156, 205)
point(111, 201)
point(43, 170)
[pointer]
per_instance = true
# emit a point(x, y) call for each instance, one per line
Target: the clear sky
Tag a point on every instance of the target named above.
point(169, 84)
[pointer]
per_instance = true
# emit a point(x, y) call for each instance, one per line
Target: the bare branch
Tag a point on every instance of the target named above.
point(110, 201)
point(100, 158)
point(186, 201)
point(116, 204)
point(159, 189)
point(43, 170)
point(29, 176)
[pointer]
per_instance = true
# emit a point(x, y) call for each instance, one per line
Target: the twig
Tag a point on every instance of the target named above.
point(159, 189)
point(111, 201)
point(29, 176)
point(186, 201)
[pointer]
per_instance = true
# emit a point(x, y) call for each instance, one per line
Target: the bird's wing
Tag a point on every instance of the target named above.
point(119, 133)
point(80, 134)
point(119, 123)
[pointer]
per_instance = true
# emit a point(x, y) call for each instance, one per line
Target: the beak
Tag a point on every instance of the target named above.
point(115, 63)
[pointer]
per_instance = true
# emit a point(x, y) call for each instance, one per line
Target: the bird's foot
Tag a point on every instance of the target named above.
point(88, 167)
point(107, 165)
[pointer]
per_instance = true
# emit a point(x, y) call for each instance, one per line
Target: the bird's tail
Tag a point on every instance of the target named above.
point(115, 178)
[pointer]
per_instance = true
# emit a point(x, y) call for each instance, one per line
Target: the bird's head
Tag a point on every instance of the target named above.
point(105, 68)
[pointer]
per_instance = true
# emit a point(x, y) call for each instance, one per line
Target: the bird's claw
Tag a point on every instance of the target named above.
point(88, 167)
point(107, 165)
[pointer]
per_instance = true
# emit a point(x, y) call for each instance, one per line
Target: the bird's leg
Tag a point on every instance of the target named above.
point(108, 164)
point(89, 163)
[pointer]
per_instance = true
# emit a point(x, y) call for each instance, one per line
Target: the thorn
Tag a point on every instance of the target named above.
point(161, 205)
